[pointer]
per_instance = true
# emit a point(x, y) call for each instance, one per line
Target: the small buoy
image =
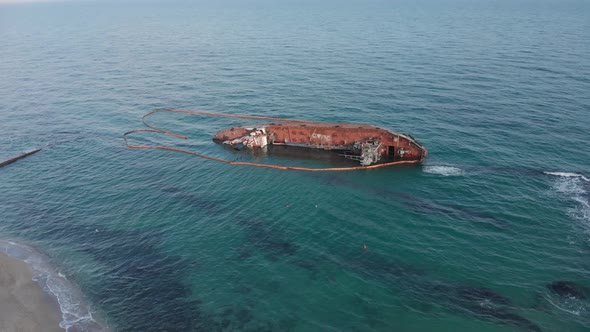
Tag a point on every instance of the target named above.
point(364, 247)
point(316, 206)
point(288, 205)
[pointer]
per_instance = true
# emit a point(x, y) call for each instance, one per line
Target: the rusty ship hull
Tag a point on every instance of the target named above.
point(361, 142)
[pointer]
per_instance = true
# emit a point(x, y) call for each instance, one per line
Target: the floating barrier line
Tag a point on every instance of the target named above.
point(20, 156)
point(154, 129)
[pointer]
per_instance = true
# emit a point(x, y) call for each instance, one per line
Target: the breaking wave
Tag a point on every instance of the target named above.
point(568, 175)
point(568, 304)
point(575, 186)
point(76, 316)
point(443, 170)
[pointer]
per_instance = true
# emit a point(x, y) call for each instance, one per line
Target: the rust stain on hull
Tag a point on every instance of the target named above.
point(365, 143)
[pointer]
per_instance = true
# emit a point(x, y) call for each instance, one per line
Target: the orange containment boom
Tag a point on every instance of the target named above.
point(372, 146)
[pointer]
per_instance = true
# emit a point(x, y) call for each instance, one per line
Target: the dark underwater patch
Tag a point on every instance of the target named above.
point(260, 236)
point(479, 302)
point(481, 294)
point(242, 319)
point(371, 313)
point(503, 316)
point(309, 266)
point(378, 267)
point(426, 206)
point(145, 287)
point(571, 289)
point(141, 287)
point(142, 290)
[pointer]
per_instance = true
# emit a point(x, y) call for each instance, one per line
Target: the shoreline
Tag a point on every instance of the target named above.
point(24, 306)
point(34, 296)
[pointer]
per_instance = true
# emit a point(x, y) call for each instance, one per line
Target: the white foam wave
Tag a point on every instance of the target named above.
point(575, 187)
point(76, 315)
point(443, 170)
point(569, 305)
point(568, 175)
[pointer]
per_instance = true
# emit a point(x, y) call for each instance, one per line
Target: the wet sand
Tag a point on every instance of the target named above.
point(24, 306)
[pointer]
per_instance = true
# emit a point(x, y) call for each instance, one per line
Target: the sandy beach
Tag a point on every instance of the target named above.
point(24, 306)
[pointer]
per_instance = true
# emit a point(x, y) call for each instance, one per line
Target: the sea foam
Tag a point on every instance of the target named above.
point(575, 187)
point(568, 304)
point(76, 315)
point(443, 170)
point(568, 175)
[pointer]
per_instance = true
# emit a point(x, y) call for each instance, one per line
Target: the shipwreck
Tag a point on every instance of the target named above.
point(364, 143)
point(371, 146)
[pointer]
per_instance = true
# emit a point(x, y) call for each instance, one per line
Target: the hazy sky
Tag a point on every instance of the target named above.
point(25, 1)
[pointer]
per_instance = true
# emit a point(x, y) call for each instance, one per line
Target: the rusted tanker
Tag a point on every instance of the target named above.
point(365, 143)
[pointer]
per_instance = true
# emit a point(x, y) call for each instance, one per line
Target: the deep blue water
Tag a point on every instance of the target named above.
point(498, 91)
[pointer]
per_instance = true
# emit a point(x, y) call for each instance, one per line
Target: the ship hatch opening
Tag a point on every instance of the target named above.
point(391, 151)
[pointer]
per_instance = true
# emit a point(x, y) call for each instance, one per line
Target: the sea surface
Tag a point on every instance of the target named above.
point(498, 91)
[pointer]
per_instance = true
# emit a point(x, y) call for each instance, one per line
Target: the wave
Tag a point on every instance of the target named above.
point(575, 187)
point(443, 170)
point(570, 305)
point(568, 175)
point(76, 316)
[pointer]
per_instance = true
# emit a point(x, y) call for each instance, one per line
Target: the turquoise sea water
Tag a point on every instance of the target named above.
point(497, 91)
